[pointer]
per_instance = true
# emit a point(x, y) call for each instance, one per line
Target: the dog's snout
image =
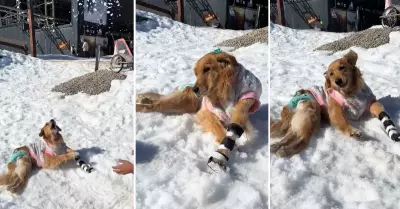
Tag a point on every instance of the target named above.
point(196, 89)
point(52, 123)
point(339, 81)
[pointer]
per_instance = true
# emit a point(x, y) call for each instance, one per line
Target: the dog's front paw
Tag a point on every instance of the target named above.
point(355, 133)
point(73, 155)
point(218, 161)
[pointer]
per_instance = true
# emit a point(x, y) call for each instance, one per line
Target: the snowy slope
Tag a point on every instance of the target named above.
point(335, 171)
point(171, 150)
point(99, 127)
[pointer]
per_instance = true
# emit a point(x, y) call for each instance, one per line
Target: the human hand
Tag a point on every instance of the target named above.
point(124, 167)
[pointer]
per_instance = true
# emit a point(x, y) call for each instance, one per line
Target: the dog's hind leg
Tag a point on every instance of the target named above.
point(280, 128)
point(5, 177)
point(147, 98)
point(177, 102)
point(18, 177)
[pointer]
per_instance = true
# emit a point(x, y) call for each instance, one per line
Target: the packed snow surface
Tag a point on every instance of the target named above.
point(172, 152)
point(99, 127)
point(335, 171)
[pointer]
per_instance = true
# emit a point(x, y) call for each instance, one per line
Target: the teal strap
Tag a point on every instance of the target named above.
point(217, 51)
point(17, 155)
point(297, 98)
point(182, 87)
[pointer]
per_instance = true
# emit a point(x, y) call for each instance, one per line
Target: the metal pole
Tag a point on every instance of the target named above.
point(53, 13)
point(32, 36)
point(257, 25)
point(45, 12)
point(281, 13)
point(181, 11)
point(96, 68)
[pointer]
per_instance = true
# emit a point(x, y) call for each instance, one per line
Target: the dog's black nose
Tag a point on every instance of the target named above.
point(339, 81)
point(196, 89)
point(52, 123)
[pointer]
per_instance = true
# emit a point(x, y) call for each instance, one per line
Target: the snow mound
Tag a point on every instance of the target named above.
point(335, 171)
point(172, 152)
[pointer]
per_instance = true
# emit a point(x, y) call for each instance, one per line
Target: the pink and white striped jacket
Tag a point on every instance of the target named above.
point(38, 149)
point(246, 86)
point(353, 106)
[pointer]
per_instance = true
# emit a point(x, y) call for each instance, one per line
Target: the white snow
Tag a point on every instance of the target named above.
point(335, 171)
point(171, 151)
point(99, 127)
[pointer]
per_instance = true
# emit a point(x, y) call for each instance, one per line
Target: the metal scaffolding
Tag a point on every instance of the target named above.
point(301, 7)
point(201, 7)
point(45, 19)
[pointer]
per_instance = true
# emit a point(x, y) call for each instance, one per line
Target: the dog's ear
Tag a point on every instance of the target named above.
point(351, 58)
point(327, 80)
point(41, 132)
point(58, 128)
point(226, 59)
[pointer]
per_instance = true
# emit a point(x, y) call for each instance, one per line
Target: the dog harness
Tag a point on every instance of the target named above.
point(245, 86)
point(37, 151)
point(16, 155)
point(353, 106)
point(299, 98)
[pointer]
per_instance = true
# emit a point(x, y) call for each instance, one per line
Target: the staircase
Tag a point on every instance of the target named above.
point(302, 8)
point(20, 18)
point(201, 7)
point(56, 37)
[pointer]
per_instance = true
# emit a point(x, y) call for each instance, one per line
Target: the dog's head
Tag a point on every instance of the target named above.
point(51, 132)
point(343, 75)
point(214, 73)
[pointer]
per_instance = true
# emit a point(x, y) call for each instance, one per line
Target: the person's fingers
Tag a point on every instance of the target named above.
point(117, 171)
point(116, 167)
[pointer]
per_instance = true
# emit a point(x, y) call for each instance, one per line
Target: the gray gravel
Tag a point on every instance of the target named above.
point(91, 83)
point(369, 38)
point(256, 36)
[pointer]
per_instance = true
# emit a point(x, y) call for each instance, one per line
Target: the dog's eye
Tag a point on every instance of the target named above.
point(331, 74)
point(206, 69)
point(341, 68)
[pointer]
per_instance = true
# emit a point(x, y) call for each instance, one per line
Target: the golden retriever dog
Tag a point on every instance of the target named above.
point(224, 95)
point(49, 153)
point(349, 97)
point(300, 119)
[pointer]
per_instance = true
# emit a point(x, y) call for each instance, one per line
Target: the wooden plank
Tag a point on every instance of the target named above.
point(181, 11)
point(32, 35)
point(281, 12)
point(156, 8)
point(19, 45)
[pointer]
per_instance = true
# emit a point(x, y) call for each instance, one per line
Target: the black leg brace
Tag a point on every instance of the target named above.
point(233, 132)
point(389, 126)
point(85, 167)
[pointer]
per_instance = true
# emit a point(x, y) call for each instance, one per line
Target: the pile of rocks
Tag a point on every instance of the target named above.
point(256, 36)
point(91, 83)
point(369, 38)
